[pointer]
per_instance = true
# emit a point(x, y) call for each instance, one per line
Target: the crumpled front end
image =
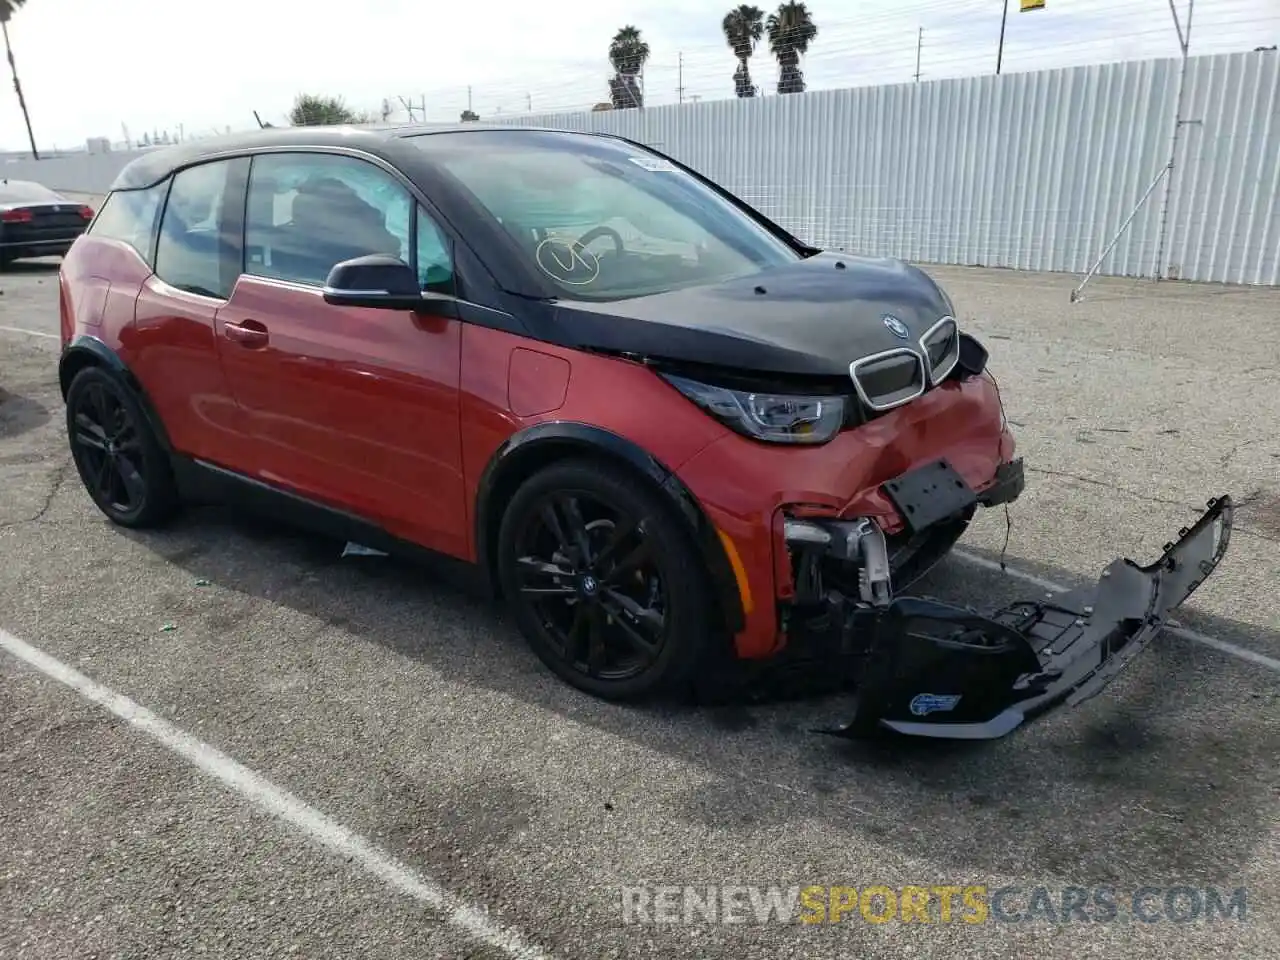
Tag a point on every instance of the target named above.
point(925, 668)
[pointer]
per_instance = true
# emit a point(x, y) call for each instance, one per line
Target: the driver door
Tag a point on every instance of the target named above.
point(353, 407)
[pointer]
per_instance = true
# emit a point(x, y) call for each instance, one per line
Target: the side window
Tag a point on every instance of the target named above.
point(130, 217)
point(435, 261)
point(307, 212)
point(189, 251)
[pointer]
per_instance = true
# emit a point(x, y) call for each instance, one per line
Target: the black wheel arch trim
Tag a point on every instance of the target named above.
point(513, 456)
point(86, 350)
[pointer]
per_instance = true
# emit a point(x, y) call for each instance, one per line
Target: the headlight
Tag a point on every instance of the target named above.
point(776, 418)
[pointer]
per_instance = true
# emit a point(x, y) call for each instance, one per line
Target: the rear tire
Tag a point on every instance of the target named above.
point(606, 587)
point(123, 468)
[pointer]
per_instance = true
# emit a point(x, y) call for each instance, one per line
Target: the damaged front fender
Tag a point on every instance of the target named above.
point(932, 669)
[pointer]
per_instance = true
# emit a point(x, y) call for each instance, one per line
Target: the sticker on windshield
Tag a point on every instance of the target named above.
point(567, 261)
point(653, 164)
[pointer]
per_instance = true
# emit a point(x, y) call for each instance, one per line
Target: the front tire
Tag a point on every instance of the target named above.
point(606, 587)
point(116, 452)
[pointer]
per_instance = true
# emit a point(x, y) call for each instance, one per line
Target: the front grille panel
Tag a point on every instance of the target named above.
point(889, 379)
point(939, 350)
point(941, 345)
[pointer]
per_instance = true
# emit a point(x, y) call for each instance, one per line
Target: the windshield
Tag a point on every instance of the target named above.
point(603, 220)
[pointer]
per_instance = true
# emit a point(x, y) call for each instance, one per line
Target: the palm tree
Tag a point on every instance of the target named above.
point(791, 29)
point(628, 53)
point(743, 27)
point(7, 10)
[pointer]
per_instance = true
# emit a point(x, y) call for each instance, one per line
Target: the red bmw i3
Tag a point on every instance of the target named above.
point(658, 425)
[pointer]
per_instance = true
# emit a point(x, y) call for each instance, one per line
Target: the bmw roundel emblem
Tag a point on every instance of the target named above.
point(896, 326)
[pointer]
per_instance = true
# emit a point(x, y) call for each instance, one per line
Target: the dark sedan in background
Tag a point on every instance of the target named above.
point(38, 222)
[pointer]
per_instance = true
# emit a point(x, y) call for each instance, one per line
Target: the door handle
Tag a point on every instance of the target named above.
point(248, 333)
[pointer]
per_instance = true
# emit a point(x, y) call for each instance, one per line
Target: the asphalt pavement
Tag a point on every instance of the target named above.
point(225, 739)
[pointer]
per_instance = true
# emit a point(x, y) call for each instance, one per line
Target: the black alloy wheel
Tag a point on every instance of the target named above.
point(115, 451)
point(606, 587)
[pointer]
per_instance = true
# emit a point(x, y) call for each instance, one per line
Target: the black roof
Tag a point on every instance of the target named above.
point(379, 140)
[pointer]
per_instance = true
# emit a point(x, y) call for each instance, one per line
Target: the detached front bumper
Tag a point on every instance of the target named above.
point(926, 668)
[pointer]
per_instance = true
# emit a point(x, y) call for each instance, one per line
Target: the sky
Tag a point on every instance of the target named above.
point(92, 69)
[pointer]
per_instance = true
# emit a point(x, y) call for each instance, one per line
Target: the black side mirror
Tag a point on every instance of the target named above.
point(382, 282)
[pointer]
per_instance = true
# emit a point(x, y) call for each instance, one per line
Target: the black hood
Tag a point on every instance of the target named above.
point(810, 318)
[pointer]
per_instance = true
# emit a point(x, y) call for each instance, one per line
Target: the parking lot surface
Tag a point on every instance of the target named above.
point(383, 741)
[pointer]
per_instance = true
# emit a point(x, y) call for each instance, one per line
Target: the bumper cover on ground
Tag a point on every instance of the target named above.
point(925, 668)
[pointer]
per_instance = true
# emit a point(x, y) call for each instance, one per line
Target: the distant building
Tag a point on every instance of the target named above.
point(98, 145)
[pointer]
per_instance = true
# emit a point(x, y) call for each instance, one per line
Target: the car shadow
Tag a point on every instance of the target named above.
point(1162, 779)
point(19, 414)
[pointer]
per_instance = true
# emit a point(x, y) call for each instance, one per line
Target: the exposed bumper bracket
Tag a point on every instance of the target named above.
point(1010, 481)
point(859, 542)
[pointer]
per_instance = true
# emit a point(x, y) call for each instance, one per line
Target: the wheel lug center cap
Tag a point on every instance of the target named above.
point(589, 585)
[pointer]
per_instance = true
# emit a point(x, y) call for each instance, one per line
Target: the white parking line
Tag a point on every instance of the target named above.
point(307, 820)
point(1195, 636)
point(30, 333)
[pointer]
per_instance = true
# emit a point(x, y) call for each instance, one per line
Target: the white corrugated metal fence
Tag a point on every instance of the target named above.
point(1033, 171)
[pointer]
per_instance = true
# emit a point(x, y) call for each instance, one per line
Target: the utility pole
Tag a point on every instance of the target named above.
point(468, 99)
point(17, 87)
point(1004, 17)
point(919, 44)
point(680, 81)
point(528, 102)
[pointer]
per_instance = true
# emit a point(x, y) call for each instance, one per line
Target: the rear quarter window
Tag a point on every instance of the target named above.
point(131, 217)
